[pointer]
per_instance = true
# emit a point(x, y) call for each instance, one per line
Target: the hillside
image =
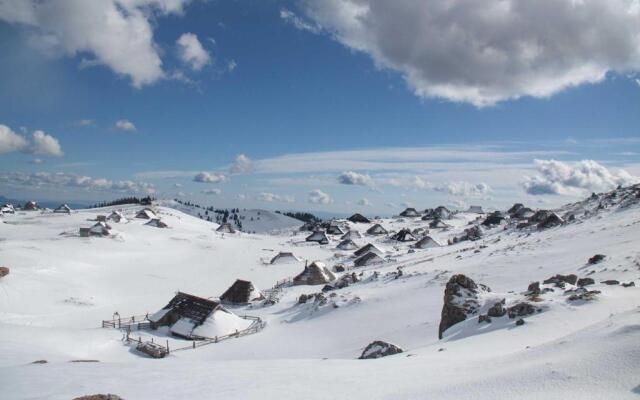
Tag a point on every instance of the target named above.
point(252, 220)
point(61, 286)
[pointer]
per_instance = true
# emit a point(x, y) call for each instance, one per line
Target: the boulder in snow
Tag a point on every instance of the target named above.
point(598, 258)
point(460, 301)
point(4, 271)
point(379, 349)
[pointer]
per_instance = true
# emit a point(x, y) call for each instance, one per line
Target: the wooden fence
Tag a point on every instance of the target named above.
point(256, 326)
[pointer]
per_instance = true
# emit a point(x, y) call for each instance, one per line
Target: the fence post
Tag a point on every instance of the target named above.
point(167, 346)
point(194, 344)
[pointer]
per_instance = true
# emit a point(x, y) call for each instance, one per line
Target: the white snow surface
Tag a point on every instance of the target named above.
point(61, 286)
point(221, 323)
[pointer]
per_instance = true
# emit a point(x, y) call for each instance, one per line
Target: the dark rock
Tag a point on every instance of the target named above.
point(303, 299)
point(534, 288)
point(521, 309)
point(520, 322)
point(328, 288)
point(611, 282)
point(628, 284)
point(497, 310)
point(4, 271)
point(379, 349)
point(596, 259)
point(99, 397)
point(460, 301)
point(40, 362)
point(484, 318)
point(585, 282)
point(559, 280)
point(339, 268)
point(583, 294)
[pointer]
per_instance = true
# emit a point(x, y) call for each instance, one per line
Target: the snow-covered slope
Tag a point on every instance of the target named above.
point(61, 286)
point(252, 220)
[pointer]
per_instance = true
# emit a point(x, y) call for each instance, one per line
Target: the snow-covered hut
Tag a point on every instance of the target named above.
point(351, 235)
point(196, 318)
point(410, 212)
point(284, 257)
point(426, 242)
point(157, 223)
point(319, 237)
point(334, 229)
point(63, 209)
point(146, 213)
point(30, 206)
point(367, 259)
point(315, 273)
point(117, 216)
point(368, 248)
point(475, 210)
point(404, 235)
point(359, 218)
point(241, 292)
point(226, 228)
point(347, 244)
point(377, 229)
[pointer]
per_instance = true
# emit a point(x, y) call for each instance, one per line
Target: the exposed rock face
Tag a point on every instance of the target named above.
point(596, 259)
point(4, 271)
point(497, 310)
point(628, 284)
point(379, 349)
point(460, 301)
point(520, 322)
point(534, 288)
point(611, 282)
point(520, 310)
point(585, 282)
point(584, 294)
point(560, 280)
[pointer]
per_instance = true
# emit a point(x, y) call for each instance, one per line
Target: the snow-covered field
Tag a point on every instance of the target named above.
point(61, 286)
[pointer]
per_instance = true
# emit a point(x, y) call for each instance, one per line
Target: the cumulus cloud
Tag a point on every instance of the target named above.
point(483, 52)
point(355, 178)
point(62, 179)
point(272, 197)
point(241, 165)
point(125, 125)
point(212, 192)
point(463, 189)
point(364, 202)
point(41, 143)
point(557, 177)
point(317, 196)
point(206, 177)
point(191, 52)
point(84, 123)
point(46, 145)
point(11, 141)
point(114, 33)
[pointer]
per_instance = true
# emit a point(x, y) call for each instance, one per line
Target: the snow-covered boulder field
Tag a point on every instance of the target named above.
point(512, 309)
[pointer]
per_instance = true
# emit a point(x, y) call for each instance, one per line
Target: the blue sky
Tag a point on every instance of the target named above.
point(328, 113)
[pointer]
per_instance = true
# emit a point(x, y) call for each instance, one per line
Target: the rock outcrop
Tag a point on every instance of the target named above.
point(598, 258)
point(560, 280)
point(379, 349)
point(460, 301)
point(4, 271)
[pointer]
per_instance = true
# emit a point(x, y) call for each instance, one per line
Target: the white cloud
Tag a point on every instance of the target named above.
point(364, 202)
point(46, 145)
point(125, 125)
point(212, 192)
point(241, 165)
point(232, 65)
point(291, 18)
point(115, 33)
point(271, 197)
point(36, 161)
point(206, 177)
point(11, 141)
point(465, 189)
point(61, 179)
point(354, 178)
point(42, 143)
point(84, 123)
point(557, 177)
point(483, 52)
point(317, 196)
point(191, 52)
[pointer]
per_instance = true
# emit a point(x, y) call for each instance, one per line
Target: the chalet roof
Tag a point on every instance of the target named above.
point(359, 218)
point(377, 229)
point(368, 248)
point(193, 307)
point(318, 236)
point(226, 228)
point(367, 259)
point(241, 292)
